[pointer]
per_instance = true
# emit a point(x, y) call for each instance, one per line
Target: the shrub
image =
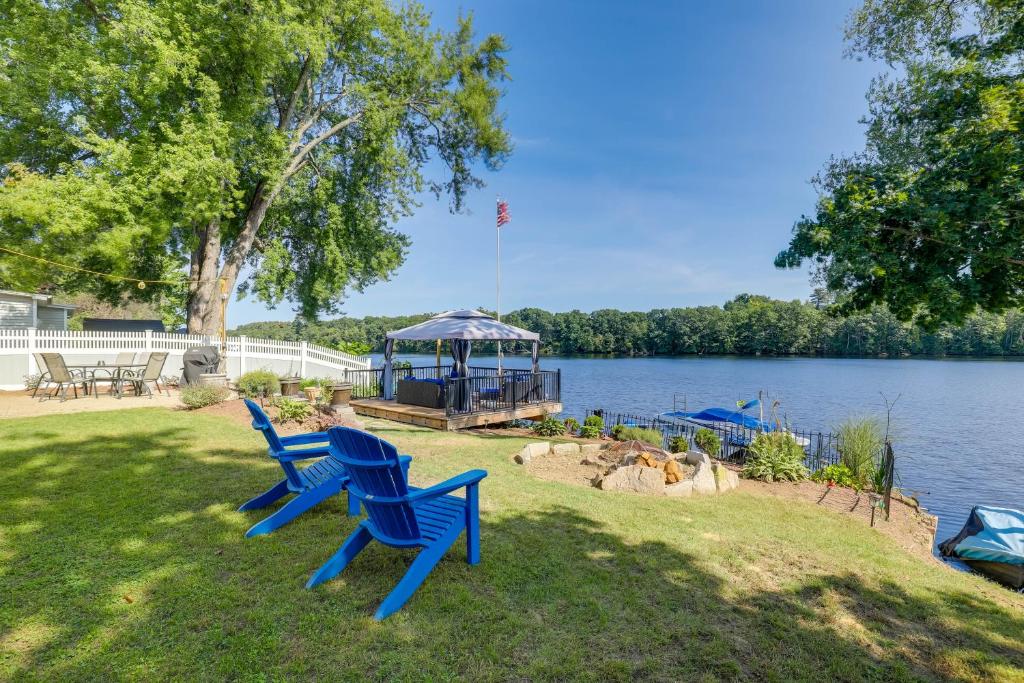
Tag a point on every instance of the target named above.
point(202, 395)
point(650, 436)
point(572, 425)
point(290, 410)
point(707, 441)
point(679, 444)
point(258, 384)
point(549, 426)
point(860, 445)
point(840, 475)
point(590, 432)
point(775, 456)
point(594, 421)
point(616, 432)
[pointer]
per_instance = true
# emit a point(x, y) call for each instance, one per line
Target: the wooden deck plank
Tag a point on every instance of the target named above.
point(435, 418)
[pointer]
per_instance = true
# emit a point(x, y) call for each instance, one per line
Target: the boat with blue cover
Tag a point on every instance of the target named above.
point(992, 542)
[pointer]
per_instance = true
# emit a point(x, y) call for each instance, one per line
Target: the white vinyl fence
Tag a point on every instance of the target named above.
point(243, 353)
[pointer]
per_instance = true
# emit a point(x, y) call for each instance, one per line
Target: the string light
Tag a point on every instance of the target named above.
point(140, 283)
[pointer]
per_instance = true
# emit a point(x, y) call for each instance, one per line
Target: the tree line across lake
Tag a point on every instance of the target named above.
point(749, 324)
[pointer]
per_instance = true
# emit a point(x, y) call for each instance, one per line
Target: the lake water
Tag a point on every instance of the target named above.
point(957, 428)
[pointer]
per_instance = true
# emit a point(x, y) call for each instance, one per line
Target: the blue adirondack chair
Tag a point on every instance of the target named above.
point(400, 515)
point(311, 485)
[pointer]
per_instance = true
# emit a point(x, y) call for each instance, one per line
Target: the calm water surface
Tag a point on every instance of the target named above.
point(958, 436)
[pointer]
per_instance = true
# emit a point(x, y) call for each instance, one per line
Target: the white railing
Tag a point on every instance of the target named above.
point(248, 351)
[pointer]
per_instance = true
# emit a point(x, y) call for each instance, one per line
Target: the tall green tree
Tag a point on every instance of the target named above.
point(929, 219)
point(283, 138)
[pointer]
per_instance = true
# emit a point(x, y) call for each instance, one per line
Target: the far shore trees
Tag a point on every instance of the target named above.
point(929, 219)
point(268, 145)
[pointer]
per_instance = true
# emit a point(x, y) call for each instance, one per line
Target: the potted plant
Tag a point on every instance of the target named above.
point(290, 385)
point(341, 392)
point(312, 393)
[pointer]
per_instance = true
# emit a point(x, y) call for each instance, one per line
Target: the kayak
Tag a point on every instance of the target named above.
point(991, 542)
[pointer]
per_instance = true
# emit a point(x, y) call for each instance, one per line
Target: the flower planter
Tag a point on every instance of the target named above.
point(341, 393)
point(312, 393)
point(289, 386)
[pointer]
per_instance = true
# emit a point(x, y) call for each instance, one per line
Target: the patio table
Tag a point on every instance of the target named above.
point(116, 371)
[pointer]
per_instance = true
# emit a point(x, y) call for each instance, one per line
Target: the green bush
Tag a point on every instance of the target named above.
point(201, 395)
point(590, 432)
point(775, 456)
point(839, 474)
point(290, 410)
point(258, 384)
point(650, 436)
point(616, 432)
point(594, 421)
point(572, 425)
point(860, 446)
point(707, 441)
point(679, 444)
point(549, 426)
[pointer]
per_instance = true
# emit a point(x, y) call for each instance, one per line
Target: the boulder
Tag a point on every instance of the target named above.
point(725, 479)
point(590, 448)
point(682, 488)
point(532, 450)
point(704, 479)
point(697, 457)
point(636, 478)
point(565, 449)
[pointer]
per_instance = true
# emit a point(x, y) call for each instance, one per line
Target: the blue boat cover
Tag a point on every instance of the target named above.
point(723, 415)
point(991, 534)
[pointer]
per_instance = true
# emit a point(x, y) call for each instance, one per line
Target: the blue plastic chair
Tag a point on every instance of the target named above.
point(401, 516)
point(311, 485)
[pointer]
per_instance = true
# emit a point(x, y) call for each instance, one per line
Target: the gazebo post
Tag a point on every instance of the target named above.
point(438, 358)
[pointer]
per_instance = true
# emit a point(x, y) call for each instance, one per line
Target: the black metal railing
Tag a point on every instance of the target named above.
point(512, 389)
point(822, 448)
point(483, 391)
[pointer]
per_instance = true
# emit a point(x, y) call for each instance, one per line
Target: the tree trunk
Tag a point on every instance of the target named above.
point(203, 309)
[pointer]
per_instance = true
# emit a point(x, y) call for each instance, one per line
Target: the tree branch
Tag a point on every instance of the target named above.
point(294, 99)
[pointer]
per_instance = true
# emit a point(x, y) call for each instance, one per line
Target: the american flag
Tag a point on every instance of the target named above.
point(503, 216)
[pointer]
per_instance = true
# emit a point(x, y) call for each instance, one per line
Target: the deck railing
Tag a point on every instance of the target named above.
point(483, 391)
point(822, 448)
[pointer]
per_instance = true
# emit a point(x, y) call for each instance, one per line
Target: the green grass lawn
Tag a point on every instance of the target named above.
point(122, 557)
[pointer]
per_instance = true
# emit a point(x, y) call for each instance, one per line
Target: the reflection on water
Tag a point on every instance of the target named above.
point(958, 433)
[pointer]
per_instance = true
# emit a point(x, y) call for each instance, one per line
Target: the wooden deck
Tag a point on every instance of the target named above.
point(436, 419)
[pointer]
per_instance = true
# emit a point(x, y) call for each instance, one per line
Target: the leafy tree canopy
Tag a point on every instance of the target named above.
point(138, 137)
point(928, 219)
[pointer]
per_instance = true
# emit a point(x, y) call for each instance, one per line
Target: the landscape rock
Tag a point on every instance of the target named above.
point(697, 457)
point(565, 449)
point(725, 479)
point(591, 448)
point(635, 478)
point(682, 488)
point(532, 450)
point(704, 479)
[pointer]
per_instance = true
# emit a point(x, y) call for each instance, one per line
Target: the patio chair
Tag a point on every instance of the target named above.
point(151, 373)
point(44, 375)
point(62, 377)
point(109, 375)
point(311, 485)
point(401, 516)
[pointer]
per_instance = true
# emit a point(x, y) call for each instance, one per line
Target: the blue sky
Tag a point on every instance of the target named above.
point(663, 152)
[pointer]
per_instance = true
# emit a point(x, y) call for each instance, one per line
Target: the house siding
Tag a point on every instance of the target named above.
point(15, 312)
point(49, 318)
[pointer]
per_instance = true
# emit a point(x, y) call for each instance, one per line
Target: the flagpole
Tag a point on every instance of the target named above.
point(497, 261)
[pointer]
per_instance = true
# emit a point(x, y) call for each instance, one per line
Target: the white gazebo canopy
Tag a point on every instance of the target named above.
point(461, 328)
point(469, 325)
